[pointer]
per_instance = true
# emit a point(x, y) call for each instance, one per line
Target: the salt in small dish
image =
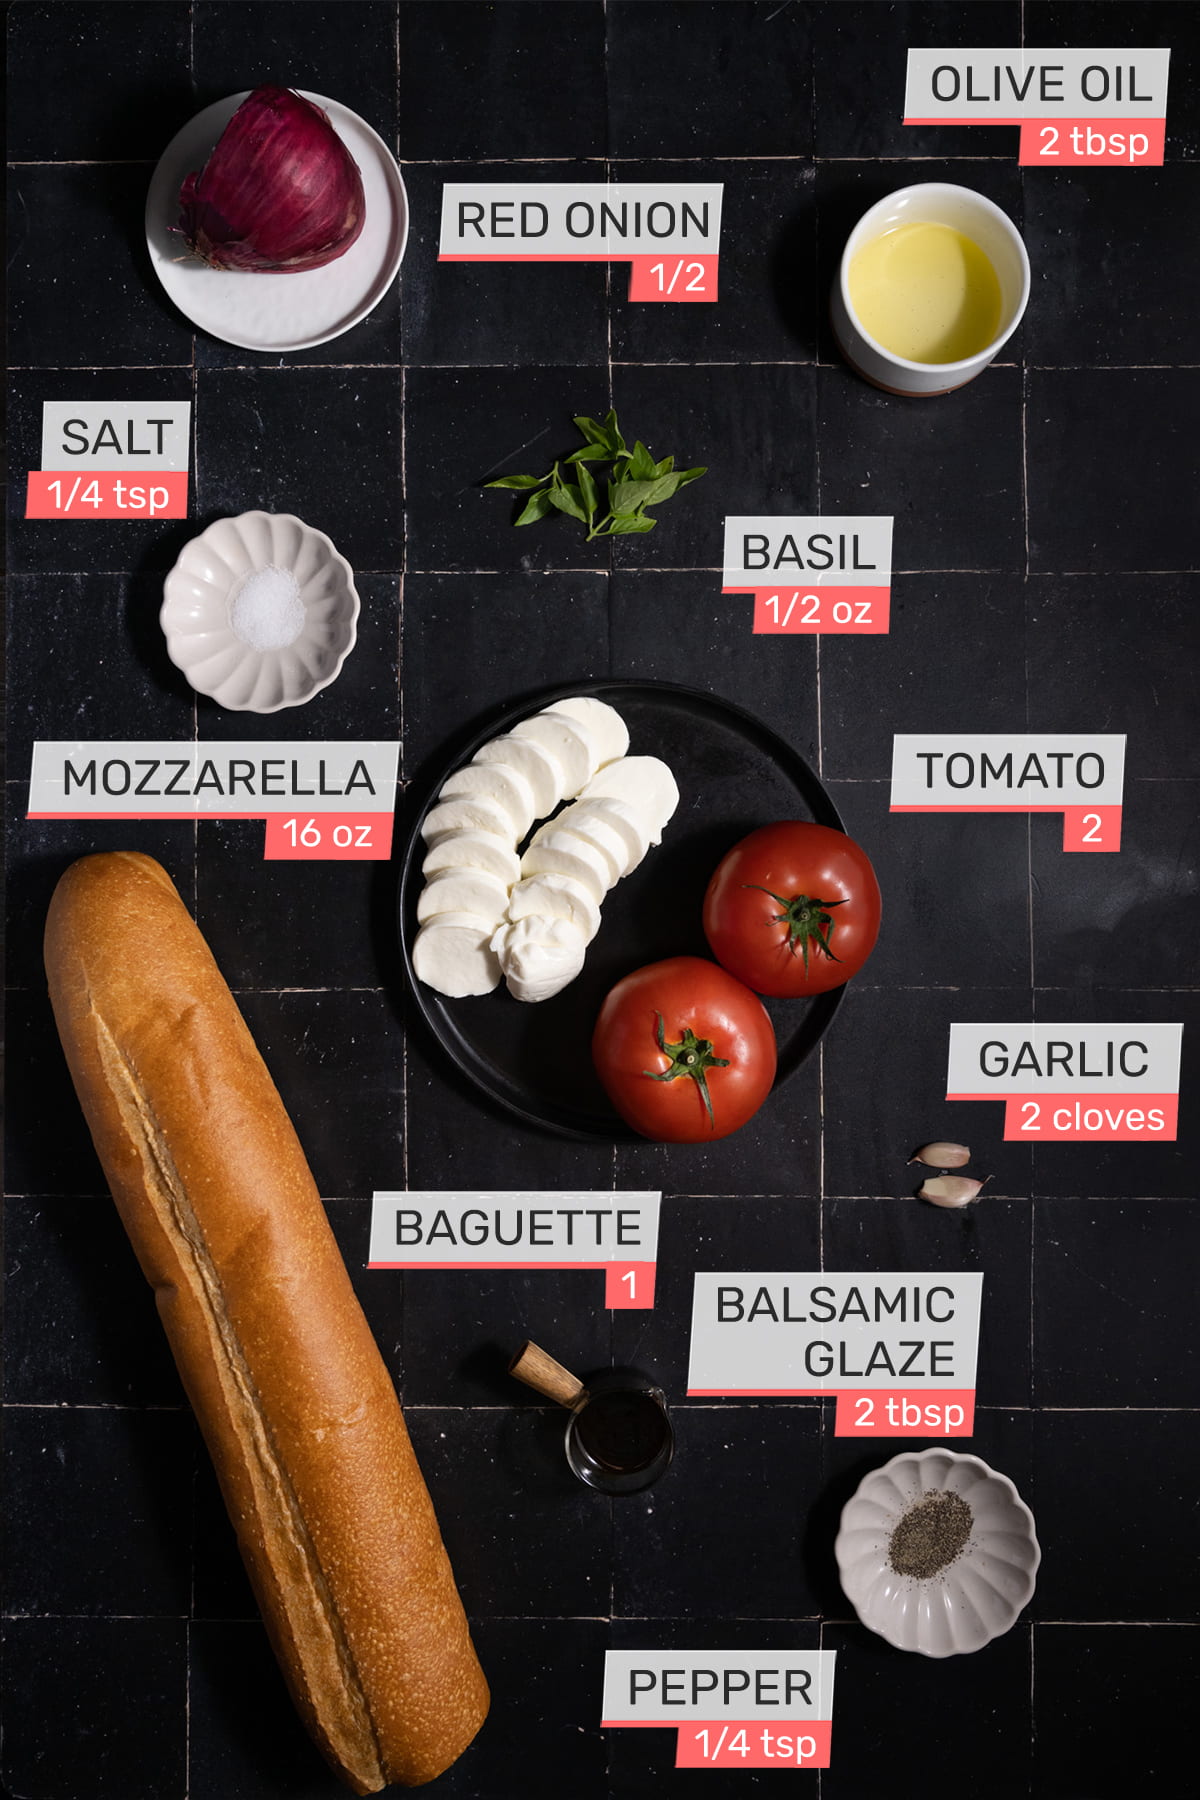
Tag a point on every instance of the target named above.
point(974, 1597)
point(260, 612)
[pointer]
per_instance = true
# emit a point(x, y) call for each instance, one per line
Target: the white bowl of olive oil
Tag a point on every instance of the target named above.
point(933, 282)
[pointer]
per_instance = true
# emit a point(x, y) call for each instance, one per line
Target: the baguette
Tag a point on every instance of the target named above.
point(300, 1416)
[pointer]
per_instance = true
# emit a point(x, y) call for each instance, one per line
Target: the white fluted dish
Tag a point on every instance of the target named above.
point(975, 1598)
point(198, 598)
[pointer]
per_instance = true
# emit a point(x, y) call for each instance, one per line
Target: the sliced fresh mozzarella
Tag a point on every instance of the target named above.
point(555, 897)
point(600, 835)
point(453, 954)
point(500, 782)
point(629, 821)
point(570, 742)
point(645, 782)
point(539, 956)
point(602, 720)
point(465, 891)
point(473, 850)
point(542, 771)
point(562, 853)
point(468, 812)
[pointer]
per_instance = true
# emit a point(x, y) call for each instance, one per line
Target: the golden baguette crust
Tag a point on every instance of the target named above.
point(301, 1419)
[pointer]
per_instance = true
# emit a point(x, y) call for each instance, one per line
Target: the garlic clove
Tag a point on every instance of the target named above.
point(941, 1155)
point(950, 1190)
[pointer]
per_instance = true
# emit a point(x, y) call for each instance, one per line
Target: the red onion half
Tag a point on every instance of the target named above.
point(280, 190)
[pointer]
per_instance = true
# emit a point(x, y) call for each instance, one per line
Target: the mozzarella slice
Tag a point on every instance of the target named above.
point(644, 782)
point(555, 897)
point(562, 853)
point(468, 812)
point(627, 820)
point(473, 850)
point(466, 891)
point(569, 742)
point(602, 720)
point(500, 782)
point(539, 956)
point(453, 954)
point(600, 835)
point(541, 769)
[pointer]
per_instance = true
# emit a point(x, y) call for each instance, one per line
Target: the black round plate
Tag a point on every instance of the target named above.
point(733, 775)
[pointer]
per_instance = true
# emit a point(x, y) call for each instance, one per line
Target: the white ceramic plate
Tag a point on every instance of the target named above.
point(279, 312)
point(976, 1597)
point(200, 592)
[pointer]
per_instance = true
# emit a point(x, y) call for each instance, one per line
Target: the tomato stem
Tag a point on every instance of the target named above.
point(691, 1056)
point(808, 921)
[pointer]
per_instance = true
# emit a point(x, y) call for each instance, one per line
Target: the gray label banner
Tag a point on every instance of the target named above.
point(813, 1332)
point(115, 434)
point(640, 1685)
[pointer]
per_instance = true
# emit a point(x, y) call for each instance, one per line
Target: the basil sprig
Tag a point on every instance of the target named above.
point(635, 481)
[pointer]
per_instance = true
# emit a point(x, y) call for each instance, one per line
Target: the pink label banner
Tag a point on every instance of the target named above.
point(107, 494)
point(727, 1745)
point(830, 611)
point(1093, 143)
point(924, 1412)
point(329, 837)
point(1088, 1118)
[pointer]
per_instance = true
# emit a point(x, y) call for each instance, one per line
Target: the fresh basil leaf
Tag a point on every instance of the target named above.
point(665, 466)
point(537, 507)
point(614, 432)
point(518, 481)
point(590, 453)
point(630, 496)
point(686, 475)
point(566, 499)
point(588, 493)
point(594, 432)
point(643, 466)
point(630, 522)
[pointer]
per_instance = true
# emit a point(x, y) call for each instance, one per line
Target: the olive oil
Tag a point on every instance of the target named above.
point(926, 292)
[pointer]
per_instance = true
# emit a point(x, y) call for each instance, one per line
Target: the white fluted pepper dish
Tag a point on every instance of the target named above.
point(975, 1598)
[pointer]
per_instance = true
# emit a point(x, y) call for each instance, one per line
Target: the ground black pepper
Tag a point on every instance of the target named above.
point(930, 1535)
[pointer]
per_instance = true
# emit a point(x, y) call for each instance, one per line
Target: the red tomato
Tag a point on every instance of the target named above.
point(793, 909)
point(685, 1052)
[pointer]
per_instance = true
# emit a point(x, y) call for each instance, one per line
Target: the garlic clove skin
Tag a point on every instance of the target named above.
point(950, 1190)
point(941, 1155)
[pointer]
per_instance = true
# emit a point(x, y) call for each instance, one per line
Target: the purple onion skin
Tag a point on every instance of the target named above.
point(280, 192)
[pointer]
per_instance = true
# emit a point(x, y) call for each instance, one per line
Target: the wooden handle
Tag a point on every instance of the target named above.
point(537, 1370)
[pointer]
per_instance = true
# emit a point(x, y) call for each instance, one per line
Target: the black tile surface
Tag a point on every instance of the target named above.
point(1078, 231)
point(733, 1504)
point(323, 443)
point(82, 1330)
point(116, 1690)
point(144, 99)
point(109, 1486)
point(1120, 1670)
point(742, 87)
point(344, 49)
point(1109, 1278)
point(481, 82)
point(1046, 554)
point(87, 215)
point(1094, 1469)
point(1123, 441)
